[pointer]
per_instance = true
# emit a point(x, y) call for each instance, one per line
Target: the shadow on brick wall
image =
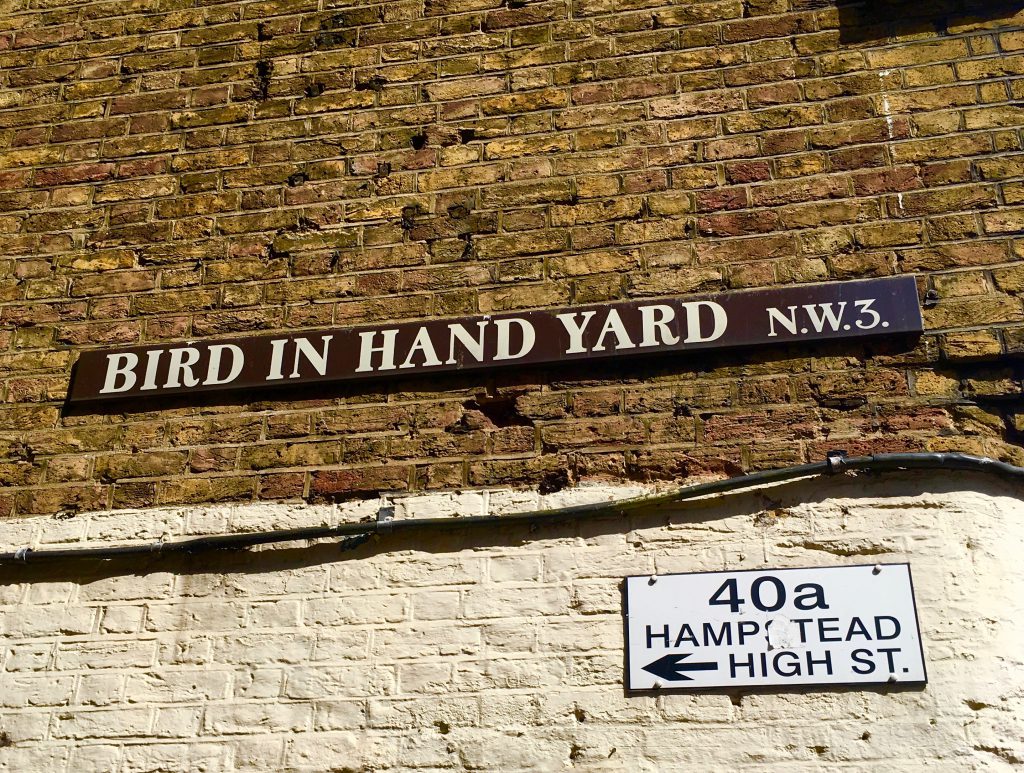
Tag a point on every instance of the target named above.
point(882, 21)
point(763, 506)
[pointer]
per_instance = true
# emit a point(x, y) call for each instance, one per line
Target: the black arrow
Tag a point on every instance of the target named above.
point(669, 667)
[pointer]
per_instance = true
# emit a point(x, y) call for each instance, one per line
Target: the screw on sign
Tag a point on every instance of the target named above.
point(833, 625)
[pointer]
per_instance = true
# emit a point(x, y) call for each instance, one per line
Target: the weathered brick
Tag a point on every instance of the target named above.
point(258, 457)
point(143, 465)
point(358, 482)
point(193, 490)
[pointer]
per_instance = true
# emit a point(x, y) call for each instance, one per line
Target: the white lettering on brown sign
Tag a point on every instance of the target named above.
point(795, 314)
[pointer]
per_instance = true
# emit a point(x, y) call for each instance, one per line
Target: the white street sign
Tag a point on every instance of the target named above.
point(840, 625)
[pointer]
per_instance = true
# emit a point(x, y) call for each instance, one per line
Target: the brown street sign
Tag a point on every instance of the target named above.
point(816, 312)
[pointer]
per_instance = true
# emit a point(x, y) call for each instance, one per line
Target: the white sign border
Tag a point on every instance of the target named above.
point(799, 688)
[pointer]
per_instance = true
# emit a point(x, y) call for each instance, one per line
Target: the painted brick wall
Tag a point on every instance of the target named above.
point(495, 650)
point(173, 170)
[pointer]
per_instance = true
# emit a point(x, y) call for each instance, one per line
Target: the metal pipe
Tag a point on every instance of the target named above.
point(835, 463)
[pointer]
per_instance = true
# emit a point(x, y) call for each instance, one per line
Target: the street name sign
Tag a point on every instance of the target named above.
point(848, 625)
point(795, 314)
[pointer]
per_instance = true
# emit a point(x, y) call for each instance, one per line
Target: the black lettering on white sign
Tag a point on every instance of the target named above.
point(836, 625)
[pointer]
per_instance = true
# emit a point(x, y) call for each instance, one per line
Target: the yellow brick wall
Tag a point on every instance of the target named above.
point(172, 171)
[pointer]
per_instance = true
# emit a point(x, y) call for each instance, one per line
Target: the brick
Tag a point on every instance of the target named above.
point(616, 431)
point(90, 496)
point(290, 455)
point(74, 174)
point(697, 104)
point(967, 312)
point(982, 344)
point(100, 655)
point(255, 718)
point(359, 482)
point(191, 490)
point(104, 724)
point(154, 464)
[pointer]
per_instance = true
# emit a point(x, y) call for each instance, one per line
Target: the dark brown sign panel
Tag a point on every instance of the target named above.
point(833, 311)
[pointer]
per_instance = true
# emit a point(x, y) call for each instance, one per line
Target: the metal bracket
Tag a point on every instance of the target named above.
point(385, 516)
point(836, 461)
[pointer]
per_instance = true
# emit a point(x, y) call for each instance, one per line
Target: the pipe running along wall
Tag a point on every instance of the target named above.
point(358, 532)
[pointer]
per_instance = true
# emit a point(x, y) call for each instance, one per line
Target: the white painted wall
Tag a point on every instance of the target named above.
point(499, 648)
